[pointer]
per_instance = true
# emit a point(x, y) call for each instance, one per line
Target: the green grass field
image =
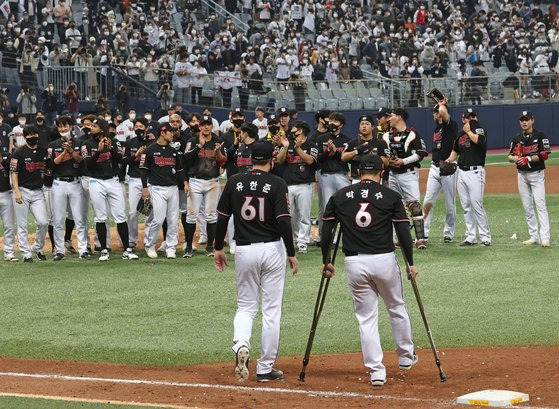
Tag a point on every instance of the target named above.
point(32, 403)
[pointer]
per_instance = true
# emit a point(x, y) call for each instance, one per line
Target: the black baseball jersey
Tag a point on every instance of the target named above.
point(443, 140)
point(104, 164)
point(404, 144)
point(131, 159)
point(366, 211)
point(535, 143)
point(162, 165)
point(471, 154)
point(30, 165)
point(332, 162)
point(203, 163)
point(378, 131)
point(256, 200)
point(240, 155)
point(5, 130)
point(5, 172)
point(229, 139)
point(68, 167)
point(375, 146)
point(296, 171)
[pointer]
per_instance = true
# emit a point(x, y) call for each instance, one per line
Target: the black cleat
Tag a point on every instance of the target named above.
point(273, 375)
point(27, 260)
point(59, 257)
point(41, 256)
point(447, 240)
point(466, 243)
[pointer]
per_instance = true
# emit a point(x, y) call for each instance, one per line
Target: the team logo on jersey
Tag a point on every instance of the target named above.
point(437, 136)
point(104, 157)
point(161, 161)
point(34, 166)
point(545, 143)
point(13, 164)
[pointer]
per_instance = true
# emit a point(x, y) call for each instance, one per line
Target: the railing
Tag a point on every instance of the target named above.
point(227, 89)
point(222, 13)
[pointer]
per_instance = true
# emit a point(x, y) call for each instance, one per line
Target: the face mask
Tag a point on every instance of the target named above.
point(86, 131)
point(40, 120)
point(194, 128)
point(32, 140)
point(79, 121)
point(108, 118)
point(44, 23)
point(65, 134)
point(132, 117)
point(140, 133)
point(238, 123)
point(112, 134)
point(274, 129)
point(21, 121)
point(148, 117)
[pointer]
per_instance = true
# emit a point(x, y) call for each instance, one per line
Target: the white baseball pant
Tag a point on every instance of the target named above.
point(470, 186)
point(259, 267)
point(436, 182)
point(34, 202)
point(47, 195)
point(64, 194)
point(300, 199)
point(165, 202)
point(207, 190)
point(407, 184)
point(330, 183)
point(531, 186)
point(183, 208)
point(8, 219)
point(103, 190)
point(134, 196)
point(85, 212)
point(371, 275)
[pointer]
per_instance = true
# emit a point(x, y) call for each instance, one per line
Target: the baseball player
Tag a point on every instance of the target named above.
point(240, 152)
point(161, 167)
point(364, 144)
point(383, 126)
point(7, 207)
point(231, 137)
point(529, 150)
point(16, 137)
point(258, 201)
point(64, 161)
point(5, 131)
point(321, 118)
point(27, 166)
point(445, 134)
point(332, 174)
point(367, 212)
point(299, 156)
point(134, 149)
point(261, 122)
point(470, 148)
point(101, 156)
point(204, 156)
point(407, 149)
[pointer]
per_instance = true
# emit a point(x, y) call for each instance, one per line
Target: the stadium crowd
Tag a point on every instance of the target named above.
point(170, 47)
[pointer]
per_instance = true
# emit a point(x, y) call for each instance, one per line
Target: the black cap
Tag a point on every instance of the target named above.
point(206, 119)
point(526, 114)
point(371, 162)
point(164, 126)
point(273, 118)
point(469, 112)
point(283, 111)
point(104, 125)
point(401, 112)
point(237, 111)
point(383, 112)
point(172, 106)
point(262, 150)
point(367, 118)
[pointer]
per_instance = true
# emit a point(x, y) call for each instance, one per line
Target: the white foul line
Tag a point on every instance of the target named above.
point(310, 393)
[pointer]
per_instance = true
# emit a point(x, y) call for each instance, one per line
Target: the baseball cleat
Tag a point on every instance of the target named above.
point(188, 252)
point(530, 242)
point(408, 367)
point(378, 382)
point(104, 255)
point(41, 256)
point(27, 260)
point(85, 256)
point(69, 246)
point(270, 376)
point(162, 247)
point(302, 248)
point(59, 257)
point(545, 243)
point(420, 244)
point(171, 253)
point(209, 251)
point(129, 254)
point(447, 240)
point(11, 259)
point(203, 240)
point(150, 251)
point(241, 366)
point(467, 243)
point(486, 243)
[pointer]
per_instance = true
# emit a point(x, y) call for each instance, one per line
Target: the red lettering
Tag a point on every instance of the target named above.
point(244, 161)
point(437, 136)
point(207, 153)
point(66, 156)
point(34, 166)
point(529, 150)
point(294, 159)
point(104, 157)
point(161, 161)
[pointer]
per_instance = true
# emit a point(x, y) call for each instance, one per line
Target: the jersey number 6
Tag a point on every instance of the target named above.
point(248, 211)
point(363, 218)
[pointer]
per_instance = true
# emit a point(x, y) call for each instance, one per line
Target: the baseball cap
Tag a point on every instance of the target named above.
point(371, 162)
point(205, 119)
point(469, 112)
point(526, 114)
point(283, 111)
point(237, 111)
point(401, 112)
point(273, 119)
point(172, 106)
point(104, 125)
point(262, 150)
point(383, 112)
point(164, 126)
point(367, 118)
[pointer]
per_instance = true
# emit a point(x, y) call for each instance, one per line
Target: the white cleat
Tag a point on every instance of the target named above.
point(545, 243)
point(530, 242)
point(150, 251)
point(162, 248)
point(104, 255)
point(241, 366)
point(129, 255)
point(171, 253)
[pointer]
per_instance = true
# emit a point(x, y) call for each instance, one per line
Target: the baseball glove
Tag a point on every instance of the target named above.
point(145, 207)
point(447, 168)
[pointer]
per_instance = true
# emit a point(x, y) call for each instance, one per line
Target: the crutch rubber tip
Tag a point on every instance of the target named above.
point(302, 377)
point(443, 377)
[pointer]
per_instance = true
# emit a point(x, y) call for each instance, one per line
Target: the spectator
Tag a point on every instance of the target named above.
point(122, 99)
point(71, 100)
point(50, 104)
point(62, 14)
point(26, 100)
point(166, 96)
point(9, 71)
point(101, 106)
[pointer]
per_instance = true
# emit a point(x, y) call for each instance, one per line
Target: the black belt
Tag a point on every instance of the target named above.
point(247, 243)
point(332, 172)
point(350, 253)
point(103, 177)
point(466, 168)
point(67, 178)
point(399, 171)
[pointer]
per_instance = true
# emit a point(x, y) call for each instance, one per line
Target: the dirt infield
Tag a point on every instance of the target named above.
point(333, 381)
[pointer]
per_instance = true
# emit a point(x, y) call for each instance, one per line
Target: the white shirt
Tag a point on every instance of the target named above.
point(183, 80)
point(128, 129)
point(262, 127)
point(225, 126)
point(19, 139)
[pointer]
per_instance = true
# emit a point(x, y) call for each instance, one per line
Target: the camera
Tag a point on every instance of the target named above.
point(4, 91)
point(331, 127)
